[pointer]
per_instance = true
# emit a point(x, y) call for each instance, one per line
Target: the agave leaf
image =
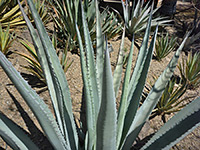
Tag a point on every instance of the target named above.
point(99, 51)
point(138, 77)
point(142, 18)
point(90, 82)
point(6, 41)
point(14, 136)
point(91, 13)
point(153, 97)
point(136, 96)
point(107, 118)
point(176, 128)
point(123, 101)
point(137, 9)
point(126, 13)
point(89, 139)
point(29, 59)
point(37, 105)
point(119, 67)
point(40, 52)
point(91, 65)
point(55, 78)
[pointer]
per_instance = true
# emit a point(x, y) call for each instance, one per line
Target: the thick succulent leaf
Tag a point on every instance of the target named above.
point(99, 50)
point(88, 99)
point(184, 122)
point(125, 13)
point(14, 136)
point(90, 64)
point(152, 99)
point(136, 11)
point(58, 86)
point(107, 118)
point(37, 105)
point(119, 67)
point(124, 97)
point(90, 82)
point(45, 67)
point(138, 78)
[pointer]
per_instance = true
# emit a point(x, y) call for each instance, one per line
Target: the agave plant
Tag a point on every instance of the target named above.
point(34, 65)
point(6, 39)
point(190, 70)
point(68, 13)
point(164, 46)
point(106, 128)
point(33, 60)
point(10, 13)
point(135, 18)
point(42, 10)
point(171, 99)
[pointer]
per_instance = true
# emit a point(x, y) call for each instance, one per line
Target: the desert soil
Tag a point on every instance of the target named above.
point(14, 107)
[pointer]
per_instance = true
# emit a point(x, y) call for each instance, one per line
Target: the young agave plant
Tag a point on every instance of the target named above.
point(33, 60)
point(106, 128)
point(171, 99)
point(68, 13)
point(10, 13)
point(164, 46)
point(34, 65)
point(6, 39)
point(190, 70)
point(135, 18)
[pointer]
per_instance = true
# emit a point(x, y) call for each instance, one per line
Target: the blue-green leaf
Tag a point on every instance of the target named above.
point(152, 99)
point(37, 105)
point(14, 136)
point(58, 88)
point(107, 118)
point(124, 97)
point(119, 67)
point(184, 122)
point(99, 50)
point(138, 78)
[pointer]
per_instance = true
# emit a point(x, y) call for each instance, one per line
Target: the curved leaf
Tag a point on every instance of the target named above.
point(184, 122)
point(37, 105)
point(14, 136)
point(152, 99)
point(56, 78)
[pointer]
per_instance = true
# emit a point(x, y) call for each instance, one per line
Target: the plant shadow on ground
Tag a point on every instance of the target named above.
point(140, 143)
point(32, 80)
point(34, 132)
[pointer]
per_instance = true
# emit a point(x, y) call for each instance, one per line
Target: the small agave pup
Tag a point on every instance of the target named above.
point(107, 129)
